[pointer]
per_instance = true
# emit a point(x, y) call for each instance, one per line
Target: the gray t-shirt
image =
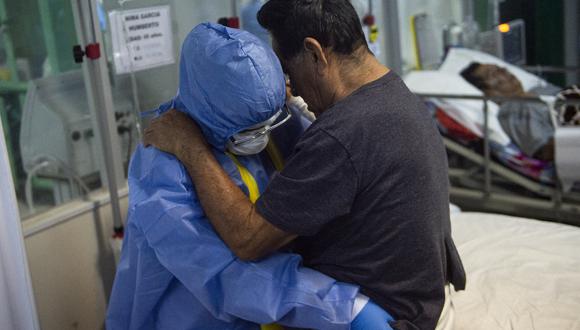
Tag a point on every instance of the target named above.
point(528, 125)
point(367, 190)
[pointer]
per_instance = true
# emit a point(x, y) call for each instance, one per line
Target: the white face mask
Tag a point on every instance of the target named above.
point(251, 147)
point(255, 138)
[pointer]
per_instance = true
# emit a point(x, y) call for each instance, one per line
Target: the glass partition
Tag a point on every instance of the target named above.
point(53, 142)
point(43, 106)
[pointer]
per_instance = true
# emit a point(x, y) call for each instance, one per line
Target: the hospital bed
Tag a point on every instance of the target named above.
point(487, 171)
point(521, 273)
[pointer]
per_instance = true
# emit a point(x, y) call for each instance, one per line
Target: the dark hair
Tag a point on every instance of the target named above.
point(469, 75)
point(333, 23)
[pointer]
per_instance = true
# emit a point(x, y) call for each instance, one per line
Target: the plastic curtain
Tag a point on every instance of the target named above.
point(17, 310)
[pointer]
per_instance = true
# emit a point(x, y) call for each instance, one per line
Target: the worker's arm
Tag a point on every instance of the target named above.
point(276, 289)
point(230, 211)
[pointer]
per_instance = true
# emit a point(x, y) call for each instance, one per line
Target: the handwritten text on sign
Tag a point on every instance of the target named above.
point(141, 38)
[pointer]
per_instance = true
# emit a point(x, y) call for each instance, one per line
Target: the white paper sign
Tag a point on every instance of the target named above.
point(142, 38)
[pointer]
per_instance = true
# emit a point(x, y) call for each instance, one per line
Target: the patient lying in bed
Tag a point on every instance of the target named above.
point(529, 125)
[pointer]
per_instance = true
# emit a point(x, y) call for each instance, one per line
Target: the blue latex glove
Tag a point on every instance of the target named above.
point(372, 317)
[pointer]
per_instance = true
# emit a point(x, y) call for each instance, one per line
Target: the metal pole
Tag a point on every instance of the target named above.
point(49, 36)
point(522, 99)
point(101, 101)
point(392, 40)
point(234, 7)
point(486, 163)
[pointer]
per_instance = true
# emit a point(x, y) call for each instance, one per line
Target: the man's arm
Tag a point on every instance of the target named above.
point(234, 217)
point(168, 220)
point(229, 210)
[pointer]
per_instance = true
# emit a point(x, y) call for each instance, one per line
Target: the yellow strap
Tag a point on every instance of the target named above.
point(373, 33)
point(247, 178)
point(416, 49)
point(275, 155)
point(252, 186)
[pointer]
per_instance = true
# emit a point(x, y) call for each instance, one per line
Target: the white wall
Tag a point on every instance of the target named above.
point(442, 12)
point(71, 264)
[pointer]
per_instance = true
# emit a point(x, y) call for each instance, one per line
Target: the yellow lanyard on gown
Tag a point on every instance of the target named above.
point(252, 186)
point(247, 178)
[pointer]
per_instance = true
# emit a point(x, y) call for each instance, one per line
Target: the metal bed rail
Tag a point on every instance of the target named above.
point(540, 69)
point(487, 196)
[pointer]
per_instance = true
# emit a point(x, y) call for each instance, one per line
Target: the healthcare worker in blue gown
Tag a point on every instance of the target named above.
point(175, 272)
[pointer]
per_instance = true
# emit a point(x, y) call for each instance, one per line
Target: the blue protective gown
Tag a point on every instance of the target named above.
point(175, 272)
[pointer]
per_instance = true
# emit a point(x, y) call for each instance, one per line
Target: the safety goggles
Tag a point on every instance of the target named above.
point(259, 132)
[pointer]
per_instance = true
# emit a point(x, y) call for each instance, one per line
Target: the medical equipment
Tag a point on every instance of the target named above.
point(371, 30)
point(469, 27)
point(452, 36)
point(57, 137)
point(465, 34)
point(487, 171)
point(365, 11)
point(506, 41)
point(233, 21)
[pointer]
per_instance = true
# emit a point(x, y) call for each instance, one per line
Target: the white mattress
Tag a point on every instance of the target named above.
point(521, 273)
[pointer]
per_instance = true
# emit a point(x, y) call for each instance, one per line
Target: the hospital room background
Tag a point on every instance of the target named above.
point(77, 77)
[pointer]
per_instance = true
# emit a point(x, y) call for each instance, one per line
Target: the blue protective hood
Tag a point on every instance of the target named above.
point(229, 80)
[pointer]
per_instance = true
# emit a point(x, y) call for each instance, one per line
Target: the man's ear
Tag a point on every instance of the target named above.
point(315, 53)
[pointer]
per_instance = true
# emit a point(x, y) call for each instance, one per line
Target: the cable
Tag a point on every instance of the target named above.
point(28, 184)
point(45, 161)
point(133, 78)
point(129, 147)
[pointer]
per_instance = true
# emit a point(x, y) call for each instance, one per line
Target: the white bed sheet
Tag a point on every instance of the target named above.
point(521, 273)
point(467, 112)
point(458, 59)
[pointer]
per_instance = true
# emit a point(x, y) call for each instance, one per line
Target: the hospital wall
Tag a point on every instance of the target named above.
point(71, 263)
point(441, 13)
point(160, 83)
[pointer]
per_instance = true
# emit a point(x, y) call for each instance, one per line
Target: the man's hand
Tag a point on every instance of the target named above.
point(173, 132)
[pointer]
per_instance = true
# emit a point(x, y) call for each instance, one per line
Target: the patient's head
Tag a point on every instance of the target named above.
point(492, 80)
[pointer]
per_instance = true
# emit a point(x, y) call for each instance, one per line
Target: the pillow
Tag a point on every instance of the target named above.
point(458, 59)
point(468, 113)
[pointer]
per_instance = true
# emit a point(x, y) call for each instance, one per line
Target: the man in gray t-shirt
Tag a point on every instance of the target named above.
point(366, 191)
point(364, 197)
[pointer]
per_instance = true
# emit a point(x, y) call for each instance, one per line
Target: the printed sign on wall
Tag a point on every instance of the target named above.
point(142, 38)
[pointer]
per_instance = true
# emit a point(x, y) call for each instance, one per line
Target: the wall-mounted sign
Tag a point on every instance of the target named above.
point(141, 38)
